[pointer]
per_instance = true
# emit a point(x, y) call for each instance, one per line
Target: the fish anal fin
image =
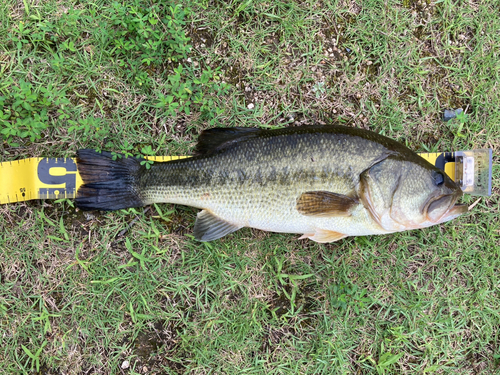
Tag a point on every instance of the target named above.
point(325, 203)
point(209, 227)
point(324, 236)
point(217, 139)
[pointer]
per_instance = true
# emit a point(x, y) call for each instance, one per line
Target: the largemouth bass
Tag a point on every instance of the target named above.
point(323, 182)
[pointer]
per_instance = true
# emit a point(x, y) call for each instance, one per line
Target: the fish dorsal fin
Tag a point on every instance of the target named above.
point(325, 203)
point(323, 236)
point(217, 139)
point(209, 227)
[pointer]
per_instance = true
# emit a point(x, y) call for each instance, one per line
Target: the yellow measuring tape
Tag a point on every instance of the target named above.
point(58, 178)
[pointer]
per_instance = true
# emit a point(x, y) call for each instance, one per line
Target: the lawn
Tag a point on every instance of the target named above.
point(131, 292)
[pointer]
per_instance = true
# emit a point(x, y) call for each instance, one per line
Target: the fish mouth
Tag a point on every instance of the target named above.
point(444, 208)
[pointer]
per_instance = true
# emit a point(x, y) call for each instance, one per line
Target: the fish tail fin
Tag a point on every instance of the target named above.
point(109, 183)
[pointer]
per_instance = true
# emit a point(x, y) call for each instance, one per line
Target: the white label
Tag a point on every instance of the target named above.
point(469, 171)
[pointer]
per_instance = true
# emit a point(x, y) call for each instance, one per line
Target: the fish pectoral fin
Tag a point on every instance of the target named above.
point(323, 236)
point(209, 227)
point(325, 203)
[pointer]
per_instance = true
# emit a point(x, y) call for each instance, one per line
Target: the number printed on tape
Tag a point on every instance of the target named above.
point(58, 172)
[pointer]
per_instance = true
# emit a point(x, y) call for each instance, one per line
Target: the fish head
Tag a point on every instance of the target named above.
point(403, 194)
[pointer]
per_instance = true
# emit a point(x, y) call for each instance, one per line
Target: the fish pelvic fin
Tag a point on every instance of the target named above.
point(209, 227)
point(323, 236)
point(325, 204)
point(108, 183)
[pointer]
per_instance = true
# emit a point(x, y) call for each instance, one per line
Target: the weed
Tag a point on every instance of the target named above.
point(25, 110)
point(344, 296)
point(147, 150)
point(35, 358)
point(156, 35)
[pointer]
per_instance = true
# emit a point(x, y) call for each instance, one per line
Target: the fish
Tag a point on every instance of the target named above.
point(324, 182)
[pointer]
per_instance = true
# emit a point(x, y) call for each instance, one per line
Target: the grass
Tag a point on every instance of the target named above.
point(131, 291)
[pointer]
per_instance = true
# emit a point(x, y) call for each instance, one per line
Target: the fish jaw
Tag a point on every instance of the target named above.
point(453, 212)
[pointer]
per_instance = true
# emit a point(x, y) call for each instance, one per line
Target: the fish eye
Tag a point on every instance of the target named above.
point(438, 178)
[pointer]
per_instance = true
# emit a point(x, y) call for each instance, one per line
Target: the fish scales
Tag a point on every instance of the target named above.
point(257, 183)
